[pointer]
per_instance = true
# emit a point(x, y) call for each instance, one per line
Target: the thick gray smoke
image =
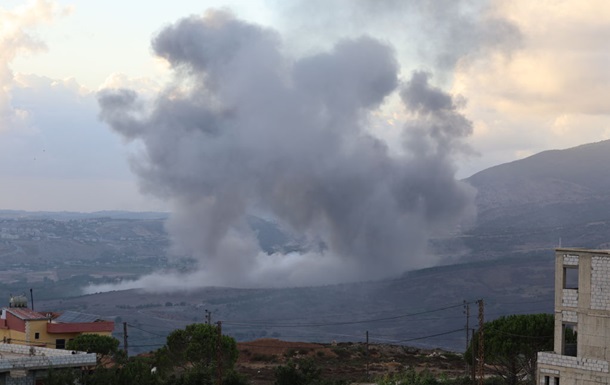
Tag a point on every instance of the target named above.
point(447, 30)
point(244, 131)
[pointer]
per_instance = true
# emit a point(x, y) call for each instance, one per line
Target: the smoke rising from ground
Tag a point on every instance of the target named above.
point(244, 130)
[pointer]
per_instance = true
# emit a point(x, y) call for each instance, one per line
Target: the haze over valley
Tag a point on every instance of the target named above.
point(304, 170)
point(505, 257)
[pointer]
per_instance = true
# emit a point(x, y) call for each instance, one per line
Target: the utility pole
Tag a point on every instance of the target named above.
point(208, 317)
point(473, 359)
point(467, 312)
point(125, 338)
point(481, 355)
point(32, 298)
point(219, 354)
point(367, 355)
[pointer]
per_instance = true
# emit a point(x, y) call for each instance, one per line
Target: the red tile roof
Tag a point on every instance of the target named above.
point(84, 327)
point(25, 313)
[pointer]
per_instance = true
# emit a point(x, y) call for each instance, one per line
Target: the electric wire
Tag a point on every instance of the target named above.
point(156, 334)
point(237, 323)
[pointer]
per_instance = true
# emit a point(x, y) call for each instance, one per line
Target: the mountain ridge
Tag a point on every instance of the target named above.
point(526, 209)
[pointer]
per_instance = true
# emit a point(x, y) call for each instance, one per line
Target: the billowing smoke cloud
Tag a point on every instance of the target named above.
point(447, 30)
point(244, 131)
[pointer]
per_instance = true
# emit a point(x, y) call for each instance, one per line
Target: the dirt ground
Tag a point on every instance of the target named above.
point(346, 361)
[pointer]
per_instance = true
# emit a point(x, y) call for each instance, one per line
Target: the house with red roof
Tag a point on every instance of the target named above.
point(24, 326)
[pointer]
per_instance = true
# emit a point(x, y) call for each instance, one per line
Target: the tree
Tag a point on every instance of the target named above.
point(304, 372)
point(188, 358)
point(196, 346)
point(94, 343)
point(512, 343)
point(411, 377)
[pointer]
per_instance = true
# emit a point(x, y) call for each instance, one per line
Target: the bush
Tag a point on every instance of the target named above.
point(263, 357)
point(303, 372)
point(409, 377)
point(234, 378)
point(93, 343)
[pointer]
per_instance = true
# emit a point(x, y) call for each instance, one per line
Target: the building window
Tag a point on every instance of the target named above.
point(570, 277)
point(547, 380)
point(570, 342)
point(556, 380)
point(60, 344)
point(36, 336)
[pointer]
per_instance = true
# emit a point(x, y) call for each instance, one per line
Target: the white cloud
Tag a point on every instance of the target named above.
point(17, 38)
point(54, 152)
point(61, 156)
point(144, 85)
point(552, 92)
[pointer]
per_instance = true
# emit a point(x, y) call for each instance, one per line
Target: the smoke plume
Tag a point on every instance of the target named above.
point(447, 31)
point(244, 130)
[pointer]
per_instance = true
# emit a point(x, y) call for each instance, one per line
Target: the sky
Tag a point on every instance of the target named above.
point(533, 76)
point(348, 123)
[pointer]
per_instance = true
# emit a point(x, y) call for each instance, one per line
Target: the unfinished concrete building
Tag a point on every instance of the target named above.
point(582, 320)
point(29, 365)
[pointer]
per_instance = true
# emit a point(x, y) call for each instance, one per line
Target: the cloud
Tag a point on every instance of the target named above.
point(16, 38)
point(552, 91)
point(60, 156)
point(54, 154)
point(246, 130)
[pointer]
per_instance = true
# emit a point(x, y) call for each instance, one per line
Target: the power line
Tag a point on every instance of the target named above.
point(146, 331)
point(517, 335)
point(431, 335)
point(342, 322)
point(146, 346)
point(335, 315)
point(550, 301)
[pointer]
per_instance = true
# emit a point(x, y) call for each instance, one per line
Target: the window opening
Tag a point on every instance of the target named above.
point(60, 344)
point(570, 277)
point(570, 340)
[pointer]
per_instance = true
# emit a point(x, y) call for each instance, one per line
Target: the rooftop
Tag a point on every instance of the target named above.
point(28, 357)
point(581, 250)
point(76, 317)
point(64, 317)
point(26, 314)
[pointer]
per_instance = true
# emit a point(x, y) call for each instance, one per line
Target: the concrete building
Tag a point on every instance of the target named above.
point(28, 365)
point(21, 325)
point(582, 320)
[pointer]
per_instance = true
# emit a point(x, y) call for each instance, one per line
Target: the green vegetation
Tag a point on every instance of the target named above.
point(302, 372)
point(411, 377)
point(197, 346)
point(512, 343)
point(189, 357)
point(197, 354)
point(93, 343)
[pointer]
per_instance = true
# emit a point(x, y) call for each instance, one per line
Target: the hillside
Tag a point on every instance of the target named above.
point(537, 203)
point(343, 361)
point(526, 208)
point(422, 308)
point(576, 175)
